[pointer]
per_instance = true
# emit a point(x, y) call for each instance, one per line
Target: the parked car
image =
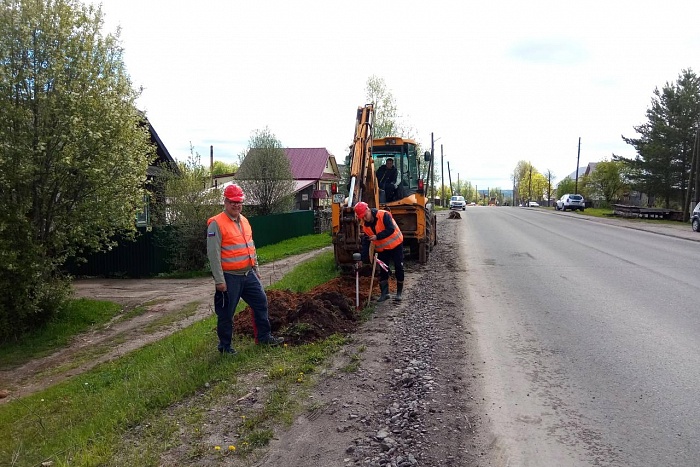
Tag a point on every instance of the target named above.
point(572, 202)
point(695, 219)
point(457, 202)
point(533, 204)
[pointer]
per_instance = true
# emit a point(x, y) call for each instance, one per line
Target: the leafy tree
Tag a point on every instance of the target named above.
point(189, 205)
point(607, 181)
point(265, 174)
point(550, 178)
point(222, 168)
point(664, 147)
point(385, 112)
point(567, 185)
point(74, 150)
point(529, 183)
point(522, 169)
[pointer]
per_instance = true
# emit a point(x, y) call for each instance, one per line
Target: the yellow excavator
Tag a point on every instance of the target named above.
point(407, 201)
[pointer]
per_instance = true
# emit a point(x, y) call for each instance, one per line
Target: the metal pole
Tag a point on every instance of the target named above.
point(211, 164)
point(577, 164)
point(442, 180)
point(432, 165)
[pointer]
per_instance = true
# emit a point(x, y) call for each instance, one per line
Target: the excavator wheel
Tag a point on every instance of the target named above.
point(423, 253)
point(434, 233)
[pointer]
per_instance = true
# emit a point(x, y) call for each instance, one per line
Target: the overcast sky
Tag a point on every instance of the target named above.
point(495, 81)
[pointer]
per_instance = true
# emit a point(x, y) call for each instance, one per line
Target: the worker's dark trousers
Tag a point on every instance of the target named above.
point(250, 289)
point(394, 255)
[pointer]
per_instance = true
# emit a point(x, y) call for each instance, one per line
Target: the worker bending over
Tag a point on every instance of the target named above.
point(381, 230)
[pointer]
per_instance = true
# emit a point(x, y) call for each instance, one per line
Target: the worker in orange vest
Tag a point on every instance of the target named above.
point(234, 265)
point(381, 230)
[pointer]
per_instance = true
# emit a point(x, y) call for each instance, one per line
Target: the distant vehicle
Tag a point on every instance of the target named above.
point(695, 220)
point(533, 204)
point(472, 203)
point(572, 202)
point(457, 202)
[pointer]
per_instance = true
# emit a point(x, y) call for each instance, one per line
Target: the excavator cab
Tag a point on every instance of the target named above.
point(407, 202)
point(405, 156)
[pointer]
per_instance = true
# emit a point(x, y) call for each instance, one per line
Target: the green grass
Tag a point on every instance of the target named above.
point(75, 317)
point(91, 419)
point(309, 274)
point(596, 212)
point(293, 246)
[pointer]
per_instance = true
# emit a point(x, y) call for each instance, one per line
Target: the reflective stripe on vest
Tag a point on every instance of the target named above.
point(390, 242)
point(237, 248)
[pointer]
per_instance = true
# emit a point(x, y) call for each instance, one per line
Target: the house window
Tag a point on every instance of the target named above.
point(143, 217)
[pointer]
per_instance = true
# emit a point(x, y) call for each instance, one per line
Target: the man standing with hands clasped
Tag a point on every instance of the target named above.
point(234, 265)
point(381, 230)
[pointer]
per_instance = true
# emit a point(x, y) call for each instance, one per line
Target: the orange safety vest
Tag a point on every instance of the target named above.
point(237, 247)
point(390, 242)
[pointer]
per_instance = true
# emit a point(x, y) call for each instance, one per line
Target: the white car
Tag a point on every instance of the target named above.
point(457, 202)
point(572, 202)
point(533, 204)
point(695, 219)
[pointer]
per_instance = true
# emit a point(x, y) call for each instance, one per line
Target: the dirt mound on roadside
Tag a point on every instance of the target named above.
point(302, 318)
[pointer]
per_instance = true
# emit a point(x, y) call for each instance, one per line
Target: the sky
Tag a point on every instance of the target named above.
point(492, 82)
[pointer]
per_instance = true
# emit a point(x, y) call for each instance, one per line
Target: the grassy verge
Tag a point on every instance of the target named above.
point(75, 317)
point(293, 246)
point(84, 421)
point(608, 213)
point(79, 316)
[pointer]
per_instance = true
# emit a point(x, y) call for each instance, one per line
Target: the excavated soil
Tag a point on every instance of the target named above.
point(302, 318)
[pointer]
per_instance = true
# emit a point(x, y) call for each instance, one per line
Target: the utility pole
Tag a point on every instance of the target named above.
point(449, 175)
point(442, 179)
point(211, 165)
point(432, 160)
point(577, 164)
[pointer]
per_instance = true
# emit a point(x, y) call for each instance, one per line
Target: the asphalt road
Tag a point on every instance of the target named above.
point(589, 335)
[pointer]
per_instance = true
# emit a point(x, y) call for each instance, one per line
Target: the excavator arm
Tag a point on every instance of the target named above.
point(363, 180)
point(362, 187)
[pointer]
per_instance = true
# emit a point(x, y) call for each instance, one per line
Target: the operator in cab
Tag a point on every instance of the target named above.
point(381, 230)
point(388, 179)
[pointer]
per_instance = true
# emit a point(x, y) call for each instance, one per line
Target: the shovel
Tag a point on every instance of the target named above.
point(371, 281)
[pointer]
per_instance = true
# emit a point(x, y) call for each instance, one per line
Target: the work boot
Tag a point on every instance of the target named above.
point(399, 290)
point(384, 287)
point(271, 341)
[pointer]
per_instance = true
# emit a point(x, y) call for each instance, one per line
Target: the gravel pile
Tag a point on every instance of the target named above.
point(421, 412)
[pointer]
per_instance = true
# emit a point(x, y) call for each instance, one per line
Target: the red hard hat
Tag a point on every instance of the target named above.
point(234, 193)
point(361, 208)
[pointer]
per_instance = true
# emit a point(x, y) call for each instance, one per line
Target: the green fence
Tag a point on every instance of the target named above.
point(277, 227)
point(148, 254)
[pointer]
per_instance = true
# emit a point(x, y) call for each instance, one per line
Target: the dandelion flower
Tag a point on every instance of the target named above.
point(232, 448)
point(217, 448)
